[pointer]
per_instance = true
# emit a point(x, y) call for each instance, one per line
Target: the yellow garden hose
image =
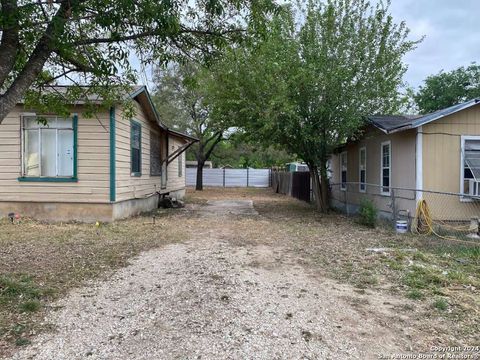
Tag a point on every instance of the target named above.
point(423, 224)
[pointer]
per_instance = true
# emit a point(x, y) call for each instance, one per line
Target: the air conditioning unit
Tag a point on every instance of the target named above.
point(474, 188)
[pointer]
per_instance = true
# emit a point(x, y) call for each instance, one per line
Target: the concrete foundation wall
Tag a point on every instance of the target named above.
point(57, 212)
point(84, 212)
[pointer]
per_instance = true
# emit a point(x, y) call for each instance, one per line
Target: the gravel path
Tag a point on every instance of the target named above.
point(208, 298)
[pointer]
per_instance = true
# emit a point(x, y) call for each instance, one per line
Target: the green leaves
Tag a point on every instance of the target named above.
point(449, 88)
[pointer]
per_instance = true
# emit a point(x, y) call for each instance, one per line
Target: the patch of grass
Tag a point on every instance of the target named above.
point(393, 264)
point(12, 288)
point(423, 277)
point(21, 341)
point(366, 279)
point(415, 294)
point(419, 256)
point(30, 306)
point(440, 304)
point(457, 277)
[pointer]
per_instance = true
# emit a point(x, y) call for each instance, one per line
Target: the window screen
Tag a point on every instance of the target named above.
point(136, 151)
point(155, 154)
point(180, 165)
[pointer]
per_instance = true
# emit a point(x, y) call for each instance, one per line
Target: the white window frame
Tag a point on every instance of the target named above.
point(23, 117)
point(389, 143)
point(364, 190)
point(463, 138)
point(343, 186)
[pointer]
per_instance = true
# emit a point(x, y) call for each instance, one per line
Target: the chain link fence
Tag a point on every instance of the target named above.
point(451, 216)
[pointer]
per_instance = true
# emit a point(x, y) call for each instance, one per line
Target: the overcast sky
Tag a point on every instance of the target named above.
point(452, 30)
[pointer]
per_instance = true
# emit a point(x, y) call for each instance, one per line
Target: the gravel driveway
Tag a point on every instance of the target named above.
point(210, 298)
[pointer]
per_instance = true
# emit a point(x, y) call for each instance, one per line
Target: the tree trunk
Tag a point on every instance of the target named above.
point(320, 188)
point(199, 184)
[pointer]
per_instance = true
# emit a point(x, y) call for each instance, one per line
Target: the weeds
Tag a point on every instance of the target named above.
point(415, 294)
point(440, 304)
point(30, 306)
point(368, 213)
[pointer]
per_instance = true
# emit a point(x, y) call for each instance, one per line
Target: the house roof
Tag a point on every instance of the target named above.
point(394, 123)
point(390, 123)
point(138, 92)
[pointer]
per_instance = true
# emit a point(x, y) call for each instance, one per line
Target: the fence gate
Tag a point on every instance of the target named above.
point(301, 185)
point(296, 184)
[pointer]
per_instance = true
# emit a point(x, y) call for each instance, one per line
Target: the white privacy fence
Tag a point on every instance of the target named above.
point(231, 177)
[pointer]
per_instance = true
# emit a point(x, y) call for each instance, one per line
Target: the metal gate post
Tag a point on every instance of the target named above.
point(247, 177)
point(394, 207)
point(223, 177)
point(346, 200)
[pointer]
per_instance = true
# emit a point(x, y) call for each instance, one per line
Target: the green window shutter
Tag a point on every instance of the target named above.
point(113, 194)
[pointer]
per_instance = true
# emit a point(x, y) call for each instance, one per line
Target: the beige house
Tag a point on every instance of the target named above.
point(89, 169)
point(435, 152)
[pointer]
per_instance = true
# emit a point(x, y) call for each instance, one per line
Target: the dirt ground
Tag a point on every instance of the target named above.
point(246, 273)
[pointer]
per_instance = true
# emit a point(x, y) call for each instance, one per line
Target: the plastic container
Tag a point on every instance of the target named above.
point(401, 226)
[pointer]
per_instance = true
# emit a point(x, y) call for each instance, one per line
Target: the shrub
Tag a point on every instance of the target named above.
point(368, 213)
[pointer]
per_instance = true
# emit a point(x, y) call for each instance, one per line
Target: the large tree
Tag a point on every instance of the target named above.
point(307, 86)
point(180, 101)
point(89, 42)
point(448, 88)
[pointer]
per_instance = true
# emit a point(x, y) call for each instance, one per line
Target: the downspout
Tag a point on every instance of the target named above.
point(419, 164)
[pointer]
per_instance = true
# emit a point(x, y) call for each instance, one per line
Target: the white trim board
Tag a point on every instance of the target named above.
point(419, 164)
point(389, 143)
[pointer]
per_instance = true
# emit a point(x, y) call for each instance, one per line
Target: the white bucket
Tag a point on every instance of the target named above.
point(402, 226)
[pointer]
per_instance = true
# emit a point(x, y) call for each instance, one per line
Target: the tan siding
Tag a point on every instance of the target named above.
point(402, 168)
point(93, 162)
point(131, 187)
point(442, 161)
point(174, 181)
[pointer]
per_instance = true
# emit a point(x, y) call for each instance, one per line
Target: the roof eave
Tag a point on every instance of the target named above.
point(185, 136)
point(143, 90)
point(429, 118)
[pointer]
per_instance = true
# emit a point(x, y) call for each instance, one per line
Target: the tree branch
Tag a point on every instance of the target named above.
point(35, 63)
point(154, 32)
point(217, 140)
point(10, 41)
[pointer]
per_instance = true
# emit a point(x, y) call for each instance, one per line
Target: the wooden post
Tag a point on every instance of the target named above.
point(223, 177)
point(247, 177)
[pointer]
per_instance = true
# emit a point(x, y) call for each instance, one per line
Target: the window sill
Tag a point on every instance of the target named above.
point(47, 179)
point(468, 199)
point(136, 174)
